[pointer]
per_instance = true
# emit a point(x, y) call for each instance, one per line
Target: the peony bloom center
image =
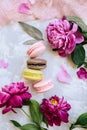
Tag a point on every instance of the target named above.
point(54, 102)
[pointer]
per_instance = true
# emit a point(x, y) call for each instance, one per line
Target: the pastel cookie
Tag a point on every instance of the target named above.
point(36, 49)
point(31, 74)
point(43, 85)
point(37, 64)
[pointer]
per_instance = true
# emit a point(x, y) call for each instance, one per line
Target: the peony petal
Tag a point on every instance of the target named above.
point(57, 121)
point(25, 96)
point(79, 37)
point(64, 76)
point(82, 73)
point(66, 25)
point(3, 64)
point(4, 97)
point(16, 101)
point(24, 8)
point(74, 29)
point(7, 109)
point(63, 116)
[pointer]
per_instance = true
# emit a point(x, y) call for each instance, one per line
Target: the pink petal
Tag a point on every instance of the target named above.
point(66, 24)
point(4, 97)
point(25, 96)
point(16, 101)
point(24, 8)
point(3, 64)
point(82, 73)
point(6, 109)
point(64, 76)
point(74, 28)
point(63, 116)
point(79, 37)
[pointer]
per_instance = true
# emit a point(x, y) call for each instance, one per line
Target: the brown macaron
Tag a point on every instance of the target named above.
point(36, 64)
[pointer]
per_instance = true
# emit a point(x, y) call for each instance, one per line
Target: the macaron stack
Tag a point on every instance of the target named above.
point(35, 66)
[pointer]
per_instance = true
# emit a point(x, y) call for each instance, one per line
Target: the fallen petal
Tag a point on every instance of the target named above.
point(81, 73)
point(3, 64)
point(64, 76)
point(24, 8)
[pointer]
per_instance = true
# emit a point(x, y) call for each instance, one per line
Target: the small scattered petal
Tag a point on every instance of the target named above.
point(3, 64)
point(24, 8)
point(82, 73)
point(64, 76)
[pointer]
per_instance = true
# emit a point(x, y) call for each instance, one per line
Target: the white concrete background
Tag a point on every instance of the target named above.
point(14, 52)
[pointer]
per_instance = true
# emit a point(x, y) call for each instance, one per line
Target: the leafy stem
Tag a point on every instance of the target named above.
point(85, 42)
point(72, 126)
point(25, 113)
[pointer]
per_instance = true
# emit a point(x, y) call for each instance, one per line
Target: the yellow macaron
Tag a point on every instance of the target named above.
point(31, 74)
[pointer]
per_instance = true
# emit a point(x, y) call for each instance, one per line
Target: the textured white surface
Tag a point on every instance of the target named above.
point(12, 50)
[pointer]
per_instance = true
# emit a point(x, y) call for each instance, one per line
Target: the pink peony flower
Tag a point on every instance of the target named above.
point(82, 73)
point(63, 35)
point(12, 96)
point(55, 110)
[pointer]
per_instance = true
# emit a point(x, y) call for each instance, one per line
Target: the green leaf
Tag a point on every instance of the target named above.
point(78, 55)
point(15, 123)
point(85, 64)
point(42, 128)
point(29, 127)
point(82, 120)
point(32, 31)
point(85, 35)
point(72, 127)
point(45, 121)
point(84, 126)
point(79, 21)
point(35, 112)
point(29, 42)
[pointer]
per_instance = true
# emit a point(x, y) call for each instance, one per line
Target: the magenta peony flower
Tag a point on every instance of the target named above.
point(55, 110)
point(63, 35)
point(82, 73)
point(12, 96)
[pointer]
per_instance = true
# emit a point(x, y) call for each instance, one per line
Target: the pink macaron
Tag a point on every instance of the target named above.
point(36, 49)
point(43, 85)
